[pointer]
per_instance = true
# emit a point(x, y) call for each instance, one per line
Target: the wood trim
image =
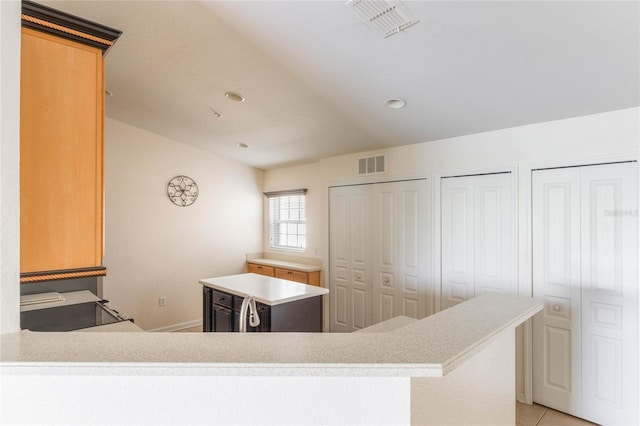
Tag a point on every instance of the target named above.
point(32, 277)
point(66, 30)
point(70, 27)
point(99, 200)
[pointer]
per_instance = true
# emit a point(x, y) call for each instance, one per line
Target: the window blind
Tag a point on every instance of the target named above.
point(287, 219)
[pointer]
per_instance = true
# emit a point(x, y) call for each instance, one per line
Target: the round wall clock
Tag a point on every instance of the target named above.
point(182, 191)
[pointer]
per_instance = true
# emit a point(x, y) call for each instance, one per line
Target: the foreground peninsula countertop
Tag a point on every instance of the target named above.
point(402, 372)
point(268, 290)
point(430, 347)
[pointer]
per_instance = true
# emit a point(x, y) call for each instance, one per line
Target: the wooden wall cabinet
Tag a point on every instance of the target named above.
point(61, 144)
point(311, 278)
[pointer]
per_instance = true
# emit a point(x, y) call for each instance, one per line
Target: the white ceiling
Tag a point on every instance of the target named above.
point(315, 77)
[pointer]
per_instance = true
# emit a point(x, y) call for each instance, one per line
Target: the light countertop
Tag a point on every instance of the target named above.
point(295, 266)
point(122, 326)
point(268, 290)
point(430, 347)
point(388, 325)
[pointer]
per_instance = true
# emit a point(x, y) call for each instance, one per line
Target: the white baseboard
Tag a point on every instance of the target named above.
point(176, 327)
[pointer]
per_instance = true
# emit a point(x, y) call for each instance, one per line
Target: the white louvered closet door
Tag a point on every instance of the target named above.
point(585, 267)
point(478, 237)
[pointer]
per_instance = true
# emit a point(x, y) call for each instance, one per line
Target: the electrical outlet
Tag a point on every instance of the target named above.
point(162, 301)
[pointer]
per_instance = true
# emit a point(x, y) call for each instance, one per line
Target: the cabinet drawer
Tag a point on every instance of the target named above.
point(223, 299)
point(261, 269)
point(287, 274)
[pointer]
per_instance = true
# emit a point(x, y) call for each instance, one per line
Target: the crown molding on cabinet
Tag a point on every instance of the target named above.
point(70, 27)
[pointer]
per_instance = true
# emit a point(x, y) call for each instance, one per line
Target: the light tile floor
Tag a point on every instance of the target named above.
point(526, 415)
point(539, 415)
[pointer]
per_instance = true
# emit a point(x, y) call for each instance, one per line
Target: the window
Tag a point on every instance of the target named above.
point(287, 219)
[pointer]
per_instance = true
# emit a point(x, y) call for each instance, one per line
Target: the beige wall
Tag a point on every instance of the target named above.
point(154, 248)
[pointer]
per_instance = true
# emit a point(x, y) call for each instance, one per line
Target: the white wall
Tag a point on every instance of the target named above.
point(598, 137)
point(135, 396)
point(9, 166)
point(582, 138)
point(154, 248)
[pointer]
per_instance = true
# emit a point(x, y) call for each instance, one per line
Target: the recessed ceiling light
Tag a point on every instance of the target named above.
point(234, 97)
point(242, 145)
point(395, 103)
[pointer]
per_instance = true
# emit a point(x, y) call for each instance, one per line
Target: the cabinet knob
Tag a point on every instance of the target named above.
point(359, 276)
point(290, 273)
point(556, 308)
point(386, 280)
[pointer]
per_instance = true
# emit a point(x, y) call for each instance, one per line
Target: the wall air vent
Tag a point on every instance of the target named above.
point(371, 165)
point(390, 17)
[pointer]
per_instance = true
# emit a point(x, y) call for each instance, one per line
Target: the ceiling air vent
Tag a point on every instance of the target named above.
point(390, 17)
point(371, 165)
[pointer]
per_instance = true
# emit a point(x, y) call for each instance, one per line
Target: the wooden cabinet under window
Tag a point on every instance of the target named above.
point(261, 269)
point(311, 278)
point(61, 144)
point(297, 276)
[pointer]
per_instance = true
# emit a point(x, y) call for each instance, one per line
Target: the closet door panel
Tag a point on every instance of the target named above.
point(360, 243)
point(360, 309)
point(610, 293)
point(340, 264)
point(359, 226)
point(457, 240)
point(585, 267)
point(556, 280)
point(494, 240)
point(478, 236)
point(399, 284)
point(412, 250)
point(385, 248)
point(378, 253)
point(350, 257)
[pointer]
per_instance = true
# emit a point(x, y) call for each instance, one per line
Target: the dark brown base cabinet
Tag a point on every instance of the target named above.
point(221, 313)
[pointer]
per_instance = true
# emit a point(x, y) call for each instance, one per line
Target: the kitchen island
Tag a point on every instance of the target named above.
point(282, 305)
point(453, 367)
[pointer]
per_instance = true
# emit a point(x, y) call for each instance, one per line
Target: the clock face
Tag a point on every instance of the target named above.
point(182, 191)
